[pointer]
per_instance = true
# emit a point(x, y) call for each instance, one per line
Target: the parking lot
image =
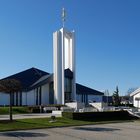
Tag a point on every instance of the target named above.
point(114, 131)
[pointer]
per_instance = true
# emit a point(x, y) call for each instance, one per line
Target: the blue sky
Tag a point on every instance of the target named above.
point(107, 39)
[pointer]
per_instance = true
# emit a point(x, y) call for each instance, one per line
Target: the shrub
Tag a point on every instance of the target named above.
point(15, 110)
point(99, 116)
point(68, 115)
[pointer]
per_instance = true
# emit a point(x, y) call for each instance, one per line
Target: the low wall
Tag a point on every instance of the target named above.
point(99, 105)
point(75, 105)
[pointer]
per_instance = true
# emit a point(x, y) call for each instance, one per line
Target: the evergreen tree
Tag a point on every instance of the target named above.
point(115, 97)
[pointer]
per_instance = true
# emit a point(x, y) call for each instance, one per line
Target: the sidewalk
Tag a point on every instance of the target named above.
point(25, 116)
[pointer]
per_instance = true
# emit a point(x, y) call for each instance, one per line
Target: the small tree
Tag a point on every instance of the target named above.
point(115, 97)
point(10, 86)
point(130, 90)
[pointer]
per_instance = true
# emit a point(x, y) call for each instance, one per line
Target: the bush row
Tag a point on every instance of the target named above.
point(16, 110)
point(27, 109)
point(99, 116)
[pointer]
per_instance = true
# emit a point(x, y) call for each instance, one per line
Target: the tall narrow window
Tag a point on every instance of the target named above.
point(13, 100)
point(37, 96)
point(20, 98)
point(51, 93)
point(68, 89)
point(16, 98)
point(40, 95)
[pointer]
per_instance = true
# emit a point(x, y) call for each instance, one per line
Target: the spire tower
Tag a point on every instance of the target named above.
point(64, 58)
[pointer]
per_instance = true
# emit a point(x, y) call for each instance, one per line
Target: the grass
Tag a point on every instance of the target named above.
point(44, 123)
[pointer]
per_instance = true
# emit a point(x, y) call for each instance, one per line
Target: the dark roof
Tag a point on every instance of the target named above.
point(49, 78)
point(33, 77)
point(80, 89)
point(28, 77)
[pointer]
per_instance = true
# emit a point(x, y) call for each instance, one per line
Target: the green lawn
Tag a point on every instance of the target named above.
point(43, 123)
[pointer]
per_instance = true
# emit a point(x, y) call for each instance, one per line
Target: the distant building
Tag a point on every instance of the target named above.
point(125, 100)
point(108, 100)
point(136, 98)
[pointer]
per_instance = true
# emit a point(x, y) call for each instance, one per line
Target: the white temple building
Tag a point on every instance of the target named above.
point(42, 88)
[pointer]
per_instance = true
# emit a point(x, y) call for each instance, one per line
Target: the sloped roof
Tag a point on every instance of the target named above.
point(28, 77)
point(137, 91)
point(33, 77)
point(80, 89)
point(43, 80)
point(49, 78)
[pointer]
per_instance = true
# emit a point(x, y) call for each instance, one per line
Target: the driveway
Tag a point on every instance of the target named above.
point(116, 131)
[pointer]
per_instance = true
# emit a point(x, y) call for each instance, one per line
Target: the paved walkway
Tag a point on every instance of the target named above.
point(25, 116)
point(116, 131)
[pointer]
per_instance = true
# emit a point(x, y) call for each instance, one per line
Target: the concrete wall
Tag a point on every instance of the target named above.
point(99, 105)
point(24, 98)
point(28, 98)
point(63, 57)
point(75, 105)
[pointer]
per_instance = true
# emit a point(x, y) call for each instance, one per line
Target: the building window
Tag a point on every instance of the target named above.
point(20, 98)
point(68, 89)
point(37, 96)
point(68, 85)
point(16, 98)
point(85, 99)
point(13, 101)
point(51, 93)
point(40, 95)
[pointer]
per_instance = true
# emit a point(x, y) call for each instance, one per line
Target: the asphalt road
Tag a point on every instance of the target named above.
point(116, 131)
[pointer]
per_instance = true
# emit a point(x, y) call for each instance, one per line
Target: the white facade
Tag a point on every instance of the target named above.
point(28, 98)
point(45, 94)
point(63, 57)
point(136, 98)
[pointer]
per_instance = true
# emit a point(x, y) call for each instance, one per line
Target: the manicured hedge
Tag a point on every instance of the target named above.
point(16, 110)
point(27, 109)
point(99, 116)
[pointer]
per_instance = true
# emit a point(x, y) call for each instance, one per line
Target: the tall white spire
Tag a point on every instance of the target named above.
point(64, 58)
point(63, 16)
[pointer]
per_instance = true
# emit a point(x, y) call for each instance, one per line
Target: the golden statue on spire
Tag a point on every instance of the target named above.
point(63, 16)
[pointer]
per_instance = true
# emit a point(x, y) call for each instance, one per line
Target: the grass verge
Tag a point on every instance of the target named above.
point(26, 124)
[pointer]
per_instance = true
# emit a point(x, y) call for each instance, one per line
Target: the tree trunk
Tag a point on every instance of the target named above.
point(10, 108)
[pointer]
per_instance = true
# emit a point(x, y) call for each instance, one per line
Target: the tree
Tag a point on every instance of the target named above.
point(130, 90)
point(115, 97)
point(10, 86)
